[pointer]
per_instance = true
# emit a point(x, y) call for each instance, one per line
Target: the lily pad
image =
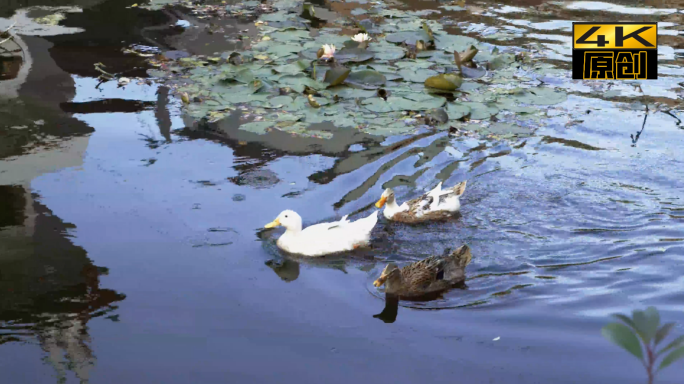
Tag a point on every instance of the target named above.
point(454, 43)
point(293, 68)
point(355, 55)
point(299, 82)
point(290, 35)
point(540, 96)
point(457, 110)
point(367, 79)
point(280, 101)
point(473, 73)
point(507, 130)
point(444, 82)
point(481, 111)
point(282, 50)
point(336, 75)
point(417, 76)
point(387, 52)
point(408, 37)
point(258, 127)
point(377, 104)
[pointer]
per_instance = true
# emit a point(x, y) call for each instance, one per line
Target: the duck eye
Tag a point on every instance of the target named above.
point(286, 216)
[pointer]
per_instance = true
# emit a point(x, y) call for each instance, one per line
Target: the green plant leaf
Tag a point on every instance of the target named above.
point(674, 344)
point(367, 79)
point(626, 319)
point(336, 75)
point(672, 357)
point(646, 323)
point(663, 332)
point(621, 335)
point(444, 82)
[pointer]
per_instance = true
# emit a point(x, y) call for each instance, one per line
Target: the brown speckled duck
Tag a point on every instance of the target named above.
point(437, 204)
point(428, 276)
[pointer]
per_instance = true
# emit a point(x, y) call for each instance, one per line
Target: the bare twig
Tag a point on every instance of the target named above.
point(638, 134)
point(8, 29)
point(679, 121)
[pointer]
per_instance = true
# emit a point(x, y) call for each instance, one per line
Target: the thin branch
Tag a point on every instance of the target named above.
point(679, 121)
point(8, 29)
point(635, 139)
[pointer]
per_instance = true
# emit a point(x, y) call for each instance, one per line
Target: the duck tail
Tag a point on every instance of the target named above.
point(462, 256)
point(459, 188)
point(369, 221)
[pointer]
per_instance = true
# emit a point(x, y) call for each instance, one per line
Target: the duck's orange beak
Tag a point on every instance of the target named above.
point(380, 281)
point(381, 202)
point(273, 224)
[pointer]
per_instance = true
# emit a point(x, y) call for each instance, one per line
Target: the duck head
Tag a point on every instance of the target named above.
point(390, 276)
point(288, 219)
point(387, 195)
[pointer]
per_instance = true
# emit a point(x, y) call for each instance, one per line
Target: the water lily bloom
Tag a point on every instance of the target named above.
point(361, 37)
point(328, 51)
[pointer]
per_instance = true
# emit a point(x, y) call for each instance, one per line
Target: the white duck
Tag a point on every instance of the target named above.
point(435, 205)
point(325, 238)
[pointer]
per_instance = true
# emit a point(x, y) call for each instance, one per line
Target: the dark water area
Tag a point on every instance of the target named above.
point(132, 247)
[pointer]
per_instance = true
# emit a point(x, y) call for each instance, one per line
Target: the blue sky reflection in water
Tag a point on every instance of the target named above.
point(142, 258)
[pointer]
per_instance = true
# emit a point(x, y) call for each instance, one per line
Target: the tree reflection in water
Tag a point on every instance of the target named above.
point(50, 288)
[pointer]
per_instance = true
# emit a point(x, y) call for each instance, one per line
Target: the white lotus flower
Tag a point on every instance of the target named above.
point(328, 51)
point(361, 37)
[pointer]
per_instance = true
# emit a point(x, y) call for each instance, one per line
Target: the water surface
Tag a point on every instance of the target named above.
point(131, 247)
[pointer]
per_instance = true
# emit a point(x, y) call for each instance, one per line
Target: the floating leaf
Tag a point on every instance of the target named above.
point(457, 111)
point(395, 103)
point(621, 335)
point(300, 82)
point(258, 127)
point(282, 50)
point(481, 111)
point(313, 102)
point(290, 35)
point(508, 130)
point(355, 55)
point(408, 37)
point(280, 101)
point(185, 98)
point(444, 82)
point(454, 43)
point(473, 73)
point(308, 11)
point(293, 68)
point(367, 79)
point(387, 52)
point(501, 61)
point(672, 357)
point(417, 75)
point(540, 96)
point(336, 75)
point(244, 76)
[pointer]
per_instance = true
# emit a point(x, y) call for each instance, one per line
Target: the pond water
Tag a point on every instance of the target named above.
point(131, 240)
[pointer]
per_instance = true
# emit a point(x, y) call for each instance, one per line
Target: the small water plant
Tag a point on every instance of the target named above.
point(641, 334)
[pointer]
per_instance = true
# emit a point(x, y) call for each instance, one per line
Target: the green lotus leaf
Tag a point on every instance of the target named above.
point(444, 82)
point(480, 111)
point(367, 79)
point(417, 76)
point(336, 75)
